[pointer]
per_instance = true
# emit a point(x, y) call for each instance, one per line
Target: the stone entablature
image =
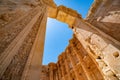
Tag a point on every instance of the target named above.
point(63, 14)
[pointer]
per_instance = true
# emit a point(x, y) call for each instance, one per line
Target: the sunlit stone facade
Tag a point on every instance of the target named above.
point(92, 54)
point(74, 64)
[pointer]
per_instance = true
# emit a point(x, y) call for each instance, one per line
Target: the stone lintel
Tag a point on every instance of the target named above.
point(52, 12)
point(63, 14)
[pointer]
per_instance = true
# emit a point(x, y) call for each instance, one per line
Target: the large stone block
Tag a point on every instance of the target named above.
point(98, 41)
point(101, 63)
point(61, 16)
point(106, 70)
point(52, 12)
point(86, 34)
point(112, 58)
point(70, 20)
point(112, 17)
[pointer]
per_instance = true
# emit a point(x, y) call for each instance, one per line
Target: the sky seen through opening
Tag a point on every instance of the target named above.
point(58, 34)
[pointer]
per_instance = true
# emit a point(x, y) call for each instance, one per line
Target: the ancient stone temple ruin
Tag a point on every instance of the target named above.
point(92, 54)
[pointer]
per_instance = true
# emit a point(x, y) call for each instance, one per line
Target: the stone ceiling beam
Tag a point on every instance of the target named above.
point(61, 13)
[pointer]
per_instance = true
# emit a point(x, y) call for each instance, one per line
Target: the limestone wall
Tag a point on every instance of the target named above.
point(92, 54)
point(74, 64)
point(106, 17)
point(21, 27)
point(103, 49)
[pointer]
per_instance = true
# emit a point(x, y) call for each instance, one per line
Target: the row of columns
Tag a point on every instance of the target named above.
point(89, 67)
point(71, 62)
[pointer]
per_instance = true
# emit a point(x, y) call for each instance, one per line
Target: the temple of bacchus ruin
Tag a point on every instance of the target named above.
point(92, 54)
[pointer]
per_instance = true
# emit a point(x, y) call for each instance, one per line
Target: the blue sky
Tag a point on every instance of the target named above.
point(58, 34)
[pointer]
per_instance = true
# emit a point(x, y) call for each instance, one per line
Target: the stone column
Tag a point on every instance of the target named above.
point(86, 62)
point(58, 68)
point(51, 74)
point(51, 69)
point(33, 66)
point(73, 64)
point(57, 76)
point(28, 21)
point(61, 67)
point(67, 69)
point(82, 63)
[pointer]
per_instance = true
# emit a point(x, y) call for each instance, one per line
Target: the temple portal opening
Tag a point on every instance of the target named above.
point(57, 39)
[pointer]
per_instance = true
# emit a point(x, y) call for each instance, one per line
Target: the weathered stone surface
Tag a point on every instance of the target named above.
point(86, 34)
point(106, 17)
point(61, 16)
point(50, 3)
point(93, 9)
point(44, 73)
point(52, 12)
point(68, 11)
point(92, 54)
point(98, 41)
point(112, 58)
point(95, 43)
point(14, 46)
point(70, 20)
point(9, 33)
point(34, 62)
point(16, 67)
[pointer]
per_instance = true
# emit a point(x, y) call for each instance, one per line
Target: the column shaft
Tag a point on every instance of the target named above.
point(74, 67)
point(62, 70)
point(51, 74)
point(33, 66)
point(59, 72)
point(57, 76)
point(82, 64)
point(67, 69)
